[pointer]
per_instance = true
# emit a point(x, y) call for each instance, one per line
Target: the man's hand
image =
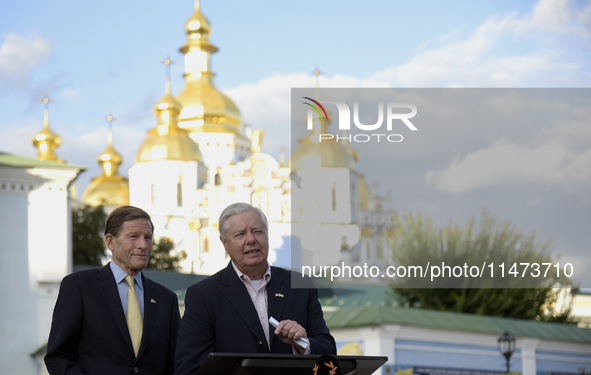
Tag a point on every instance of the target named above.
point(288, 330)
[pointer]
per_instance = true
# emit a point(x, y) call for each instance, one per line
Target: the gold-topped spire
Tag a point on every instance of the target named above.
point(205, 108)
point(329, 153)
point(110, 120)
point(110, 159)
point(109, 189)
point(167, 63)
point(317, 73)
point(311, 153)
point(198, 29)
point(167, 141)
point(168, 108)
point(344, 137)
point(47, 141)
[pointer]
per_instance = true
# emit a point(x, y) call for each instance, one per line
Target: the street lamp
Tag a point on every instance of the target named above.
point(506, 346)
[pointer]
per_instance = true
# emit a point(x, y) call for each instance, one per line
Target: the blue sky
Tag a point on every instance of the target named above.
point(96, 57)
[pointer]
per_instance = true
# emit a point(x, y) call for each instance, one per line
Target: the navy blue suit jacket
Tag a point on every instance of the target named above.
point(89, 334)
point(220, 317)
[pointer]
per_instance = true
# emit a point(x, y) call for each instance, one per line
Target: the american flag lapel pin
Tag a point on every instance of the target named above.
point(152, 300)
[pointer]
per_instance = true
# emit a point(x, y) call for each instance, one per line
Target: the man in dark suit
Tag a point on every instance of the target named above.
point(230, 311)
point(106, 322)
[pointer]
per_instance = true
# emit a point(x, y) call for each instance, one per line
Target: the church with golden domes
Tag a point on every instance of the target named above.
point(201, 157)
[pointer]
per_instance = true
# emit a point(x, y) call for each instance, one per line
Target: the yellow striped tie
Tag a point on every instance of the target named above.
point(134, 319)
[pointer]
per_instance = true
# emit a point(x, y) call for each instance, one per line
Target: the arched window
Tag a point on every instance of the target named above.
point(179, 194)
point(333, 195)
point(152, 194)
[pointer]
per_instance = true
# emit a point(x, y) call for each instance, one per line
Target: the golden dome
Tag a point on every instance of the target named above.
point(168, 105)
point(263, 165)
point(329, 153)
point(107, 191)
point(174, 145)
point(110, 188)
point(110, 160)
point(46, 141)
point(167, 141)
point(204, 107)
point(198, 29)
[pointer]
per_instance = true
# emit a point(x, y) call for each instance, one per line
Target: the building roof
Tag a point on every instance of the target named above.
point(29, 162)
point(350, 295)
point(175, 281)
point(444, 320)
point(204, 107)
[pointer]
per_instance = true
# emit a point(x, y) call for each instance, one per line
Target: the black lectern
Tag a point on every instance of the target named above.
point(283, 364)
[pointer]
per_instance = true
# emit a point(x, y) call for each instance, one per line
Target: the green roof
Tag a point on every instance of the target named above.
point(379, 315)
point(175, 281)
point(353, 295)
point(29, 162)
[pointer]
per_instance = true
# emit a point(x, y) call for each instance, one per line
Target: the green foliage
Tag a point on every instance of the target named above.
point(162, 257)
point(88, 225)
point(480, 243)
point(88, 244)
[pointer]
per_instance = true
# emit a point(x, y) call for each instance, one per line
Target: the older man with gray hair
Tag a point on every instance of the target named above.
point(230, 311)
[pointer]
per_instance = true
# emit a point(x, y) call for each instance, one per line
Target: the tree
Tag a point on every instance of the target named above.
point(485, 252)
point(162, 257)
point(88, 244)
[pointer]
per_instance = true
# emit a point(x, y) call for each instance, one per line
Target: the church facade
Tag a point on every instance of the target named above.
point(201, 157)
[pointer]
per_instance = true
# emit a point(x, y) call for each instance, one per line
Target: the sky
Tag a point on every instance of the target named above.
point(99, 57)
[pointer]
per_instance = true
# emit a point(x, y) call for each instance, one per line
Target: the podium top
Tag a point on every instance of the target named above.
point(284, 364)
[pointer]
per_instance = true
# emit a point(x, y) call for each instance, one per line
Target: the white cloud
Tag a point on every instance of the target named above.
point(269, 99)
point(543, 139)
point(506, 164)
point(266, 103)
point(552, 15)
point(544, 38)
point(18, 55)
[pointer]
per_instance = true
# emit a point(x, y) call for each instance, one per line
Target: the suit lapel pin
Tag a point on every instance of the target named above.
point(279, 295)
point(152, 300)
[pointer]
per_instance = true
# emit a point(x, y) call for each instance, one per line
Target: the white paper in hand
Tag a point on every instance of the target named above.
point(302, 341)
